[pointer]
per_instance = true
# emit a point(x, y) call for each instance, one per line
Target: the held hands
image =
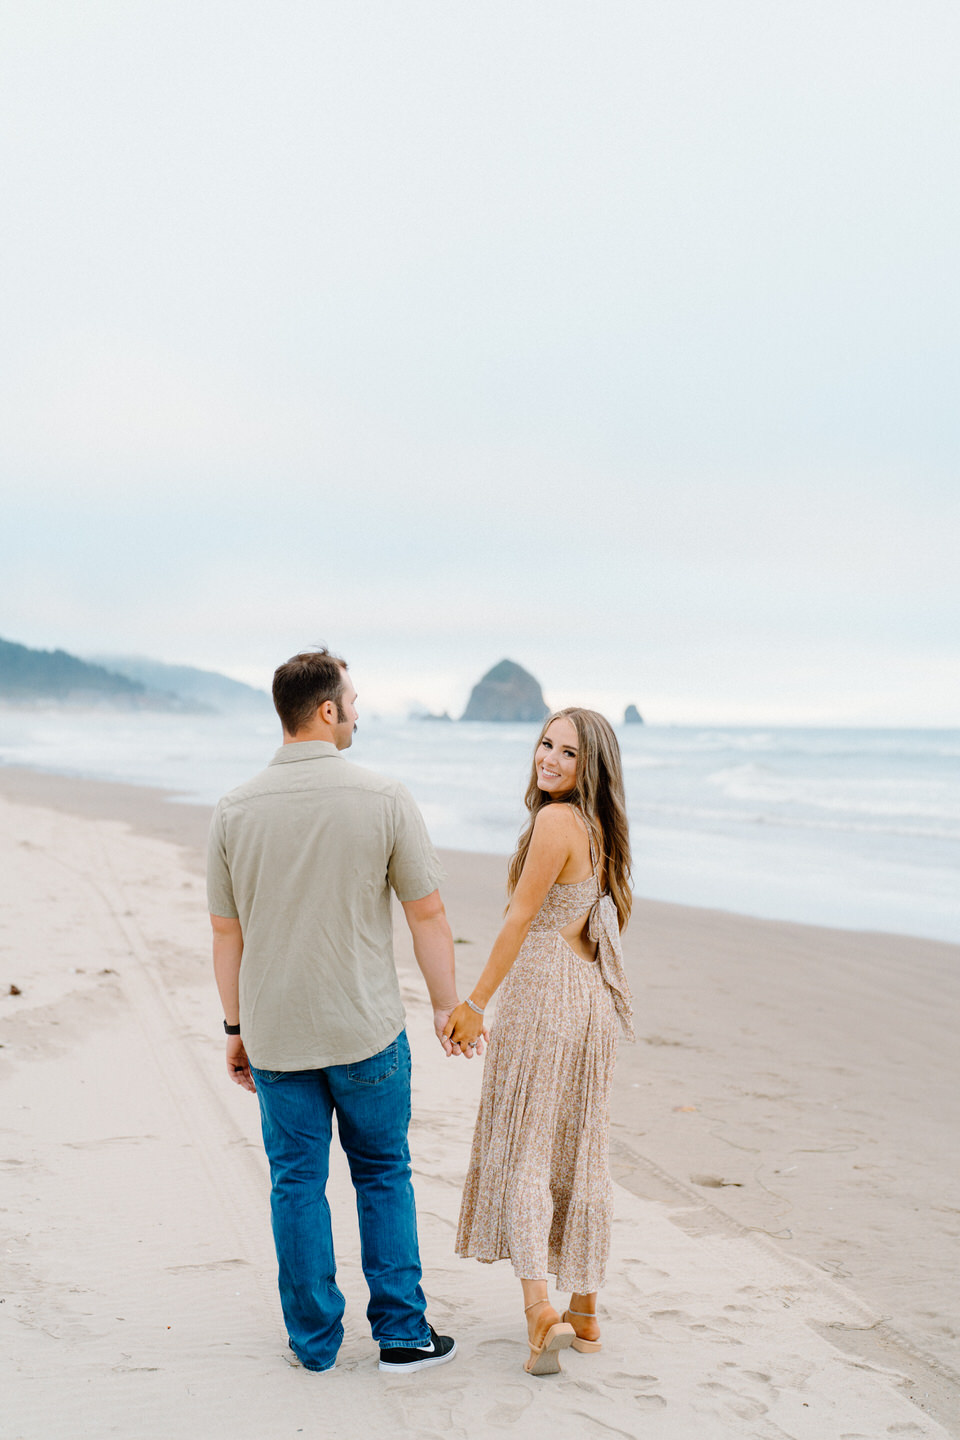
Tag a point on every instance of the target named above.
point(443, 1023)
point(464, 1032)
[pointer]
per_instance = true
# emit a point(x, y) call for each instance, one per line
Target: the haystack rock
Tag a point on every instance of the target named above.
point(632, 716)
point(507, 693)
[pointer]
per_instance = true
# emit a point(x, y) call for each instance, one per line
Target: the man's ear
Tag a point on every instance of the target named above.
point(327, 712)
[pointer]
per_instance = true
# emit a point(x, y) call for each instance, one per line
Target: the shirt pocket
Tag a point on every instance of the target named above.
point(377, 1068)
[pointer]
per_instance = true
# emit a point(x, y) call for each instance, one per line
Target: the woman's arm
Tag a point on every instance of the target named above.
point(554, 834)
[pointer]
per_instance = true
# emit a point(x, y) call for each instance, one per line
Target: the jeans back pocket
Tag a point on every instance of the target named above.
point(377, 1068)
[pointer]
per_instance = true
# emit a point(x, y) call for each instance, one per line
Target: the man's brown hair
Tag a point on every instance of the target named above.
point(303, 682)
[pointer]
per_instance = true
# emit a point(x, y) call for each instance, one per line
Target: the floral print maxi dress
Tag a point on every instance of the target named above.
point(538, 1189)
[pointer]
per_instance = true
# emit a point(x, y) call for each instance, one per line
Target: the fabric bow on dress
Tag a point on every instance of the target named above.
point(603, 928)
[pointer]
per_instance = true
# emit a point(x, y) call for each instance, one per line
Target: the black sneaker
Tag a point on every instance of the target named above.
point(441, 1349)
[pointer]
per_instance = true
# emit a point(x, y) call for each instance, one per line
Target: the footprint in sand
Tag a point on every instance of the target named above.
point(711, 1330)
point(641, 1401)
point(792, 1374)
point(718, 1328)
point(623, 1380)
point(586, 1387)
point(736, 1403)
point(759, 1377)
point(648, 1272)
point(500, 1347)
point(429, 1416)
point(512, 1401)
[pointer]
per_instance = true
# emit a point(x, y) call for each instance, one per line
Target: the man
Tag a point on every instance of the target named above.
point(301, 863)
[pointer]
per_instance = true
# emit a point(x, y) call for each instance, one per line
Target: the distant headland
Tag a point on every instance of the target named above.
point(31, 678)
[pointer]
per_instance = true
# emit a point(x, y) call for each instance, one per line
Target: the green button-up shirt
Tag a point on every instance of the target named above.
point(305, 855)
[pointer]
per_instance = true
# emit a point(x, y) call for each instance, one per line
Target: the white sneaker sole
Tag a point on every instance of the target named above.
point(404, 1367)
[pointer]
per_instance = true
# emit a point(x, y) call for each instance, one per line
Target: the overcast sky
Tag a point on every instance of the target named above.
point(617, 338)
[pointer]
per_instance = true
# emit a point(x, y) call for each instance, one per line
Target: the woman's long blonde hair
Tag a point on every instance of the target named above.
point(598, 796)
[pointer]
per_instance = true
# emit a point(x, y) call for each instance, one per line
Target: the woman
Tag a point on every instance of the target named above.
point(538, 1189)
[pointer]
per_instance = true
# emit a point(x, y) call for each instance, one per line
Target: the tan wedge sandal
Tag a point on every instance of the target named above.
point(586, 1347)
point(544, 1358)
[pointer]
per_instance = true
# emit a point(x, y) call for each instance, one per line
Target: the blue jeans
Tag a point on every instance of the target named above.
point(372, 1101)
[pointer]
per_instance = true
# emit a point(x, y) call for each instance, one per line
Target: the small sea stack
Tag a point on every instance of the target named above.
point(632, 716)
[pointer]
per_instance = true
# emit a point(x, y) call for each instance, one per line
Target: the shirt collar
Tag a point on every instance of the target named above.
point(304, 750)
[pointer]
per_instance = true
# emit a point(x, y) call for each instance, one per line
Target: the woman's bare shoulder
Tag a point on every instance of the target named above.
point(555, 819)
point(557, 825)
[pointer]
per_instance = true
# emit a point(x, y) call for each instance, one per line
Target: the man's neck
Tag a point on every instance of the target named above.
point(312, 732)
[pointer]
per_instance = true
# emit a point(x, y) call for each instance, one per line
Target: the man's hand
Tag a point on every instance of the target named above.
point(440, 1018)
point(227, 956)
point(238, 1066)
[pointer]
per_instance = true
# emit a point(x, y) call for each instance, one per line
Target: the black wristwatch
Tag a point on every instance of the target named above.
point(231, 1029)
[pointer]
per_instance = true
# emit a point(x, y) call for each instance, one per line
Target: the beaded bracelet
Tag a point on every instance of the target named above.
point(477, 1009)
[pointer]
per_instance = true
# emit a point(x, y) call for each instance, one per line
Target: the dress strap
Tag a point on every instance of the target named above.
point(594, 857)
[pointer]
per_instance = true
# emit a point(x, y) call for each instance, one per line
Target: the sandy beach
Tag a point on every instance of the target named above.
point(787, 1242)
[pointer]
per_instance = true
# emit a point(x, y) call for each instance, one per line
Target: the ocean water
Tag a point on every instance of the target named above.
point(853, 828)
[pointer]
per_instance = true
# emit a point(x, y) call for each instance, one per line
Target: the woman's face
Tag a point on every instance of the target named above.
point(556, 759)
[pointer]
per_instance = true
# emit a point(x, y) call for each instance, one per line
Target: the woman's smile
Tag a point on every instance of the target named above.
point(557, 758)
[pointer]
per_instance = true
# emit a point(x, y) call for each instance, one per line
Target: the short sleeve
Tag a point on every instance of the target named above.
point(413, 870)
point(220, 900)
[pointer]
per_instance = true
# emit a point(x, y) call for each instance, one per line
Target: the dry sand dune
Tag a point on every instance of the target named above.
point(138, 1294)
